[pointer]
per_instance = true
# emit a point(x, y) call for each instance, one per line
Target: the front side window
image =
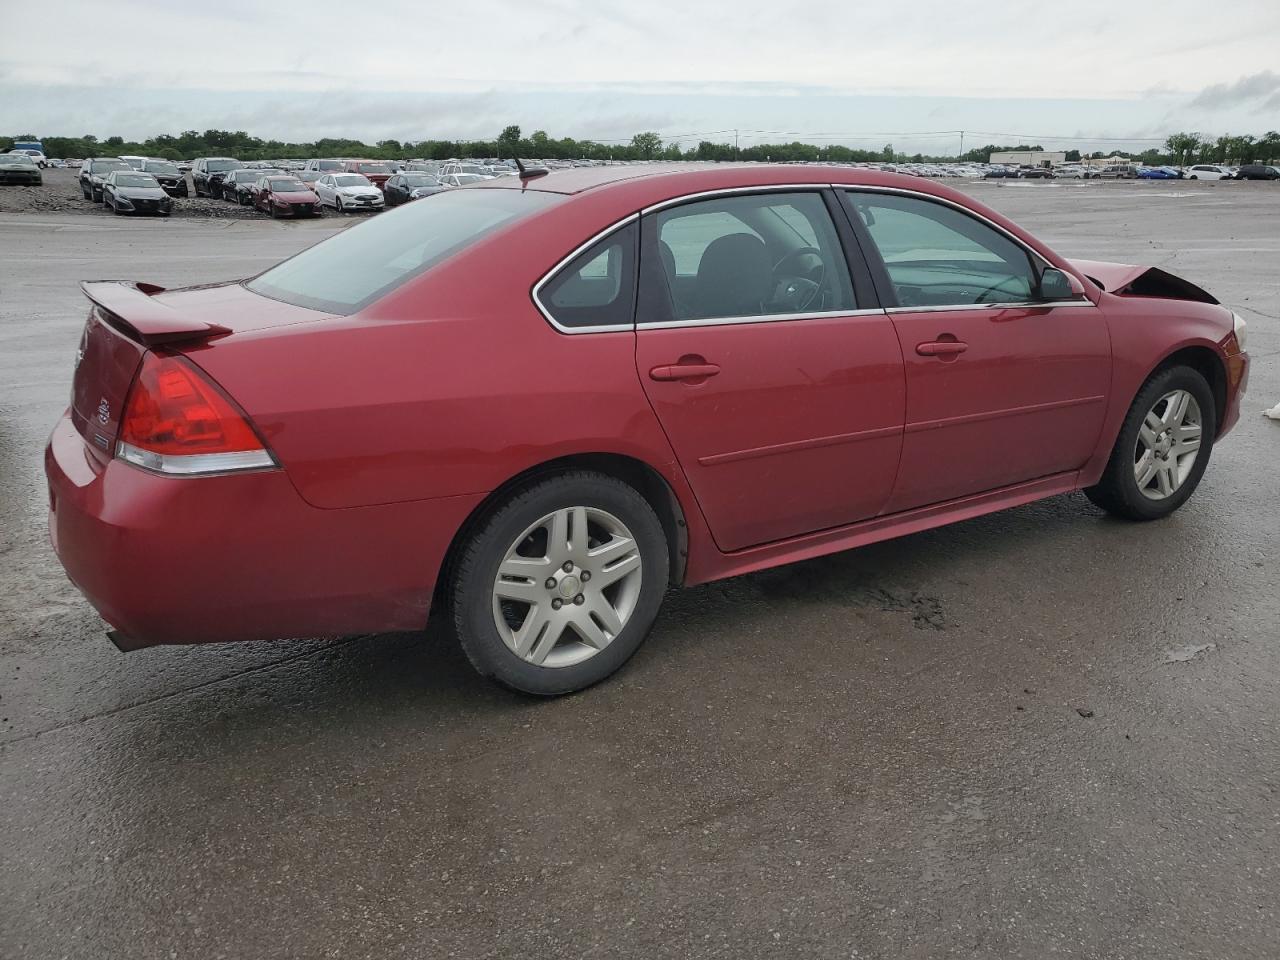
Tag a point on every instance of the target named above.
point(937, 256)
point(769, 254)
point(596, 288)
point(349, 271)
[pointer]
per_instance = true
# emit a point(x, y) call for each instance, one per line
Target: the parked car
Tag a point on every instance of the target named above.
point(285, 197)
point(93, 171)
point(19, 168)
point(1119, 171)
point(129, 191)
point(1208, 171)
point(1069, 172)
point(374, 171)
point(1258, 171)
point(226, 442)
point(133, 161)
point(461, 179)
point(207, 174)
point(347, 192)
point(1156, 173)
point(38, 158)
point(167, 174)
point(309, 177)
point(458, 167)
point(1028, 172)
point(332, 165)
point(237, 184)
point(404, 187)
point(1000, 173)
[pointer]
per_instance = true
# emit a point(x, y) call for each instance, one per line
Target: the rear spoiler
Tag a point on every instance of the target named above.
point(151, 323)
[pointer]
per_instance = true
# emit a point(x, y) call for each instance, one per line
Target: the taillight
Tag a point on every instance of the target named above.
point(177, 421)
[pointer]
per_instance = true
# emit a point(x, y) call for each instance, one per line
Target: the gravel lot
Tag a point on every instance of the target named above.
point(60, 193)
point(1037, 734)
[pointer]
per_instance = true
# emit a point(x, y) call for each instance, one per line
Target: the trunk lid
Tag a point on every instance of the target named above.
point(128, 319)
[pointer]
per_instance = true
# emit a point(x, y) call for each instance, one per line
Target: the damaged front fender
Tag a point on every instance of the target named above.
point(1127, 280)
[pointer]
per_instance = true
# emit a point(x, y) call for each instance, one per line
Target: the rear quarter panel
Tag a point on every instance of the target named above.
point(450, 386)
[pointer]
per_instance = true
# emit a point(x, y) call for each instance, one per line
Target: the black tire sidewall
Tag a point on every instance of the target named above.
point(1121, 467)
point(478, 567)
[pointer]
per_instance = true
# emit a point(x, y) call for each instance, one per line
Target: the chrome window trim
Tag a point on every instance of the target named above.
point(766, 318)
point(1011, 305)
point(731, 191)
point(564, 262)
point(1084, 301)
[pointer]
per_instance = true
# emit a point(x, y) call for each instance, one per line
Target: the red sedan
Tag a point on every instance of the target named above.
point(676, 376)
point(376, 173)
point(283, 196)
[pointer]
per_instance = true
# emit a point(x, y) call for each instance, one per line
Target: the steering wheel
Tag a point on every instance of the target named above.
point(792, 290)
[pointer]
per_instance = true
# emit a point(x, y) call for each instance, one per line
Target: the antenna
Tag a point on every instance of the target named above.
point(530, 173)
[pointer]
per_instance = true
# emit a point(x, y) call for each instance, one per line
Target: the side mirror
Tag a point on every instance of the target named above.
point(1057, 285)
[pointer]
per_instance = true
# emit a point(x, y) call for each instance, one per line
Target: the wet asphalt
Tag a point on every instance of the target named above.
point(1044, 733)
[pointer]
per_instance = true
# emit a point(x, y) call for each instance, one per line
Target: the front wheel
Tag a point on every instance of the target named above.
point(1163, 447)
point(560, 585)
point(337, 205)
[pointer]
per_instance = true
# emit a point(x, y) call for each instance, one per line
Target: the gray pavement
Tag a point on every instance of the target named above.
point(877, 754)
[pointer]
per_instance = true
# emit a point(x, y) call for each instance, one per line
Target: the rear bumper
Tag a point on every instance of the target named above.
point(177, 560)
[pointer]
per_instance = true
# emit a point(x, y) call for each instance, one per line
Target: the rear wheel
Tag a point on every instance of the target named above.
point(1163, 447)
point(560, 585)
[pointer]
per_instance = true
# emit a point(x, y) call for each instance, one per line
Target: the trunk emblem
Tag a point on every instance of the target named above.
point(104, 411)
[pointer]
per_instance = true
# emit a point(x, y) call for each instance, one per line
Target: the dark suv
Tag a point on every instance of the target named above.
point(1258, 171)
point(207, 174)
point(172, 180)
point(93, 171)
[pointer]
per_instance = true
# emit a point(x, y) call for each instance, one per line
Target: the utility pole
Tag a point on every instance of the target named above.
point(735, 144)
point(961, 157)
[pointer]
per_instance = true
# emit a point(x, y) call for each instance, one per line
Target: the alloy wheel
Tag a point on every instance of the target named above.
point(567, 587)
point(1168, 445)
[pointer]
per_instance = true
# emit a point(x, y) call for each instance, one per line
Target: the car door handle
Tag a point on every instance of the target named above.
point(941, 348)
point(684, 371)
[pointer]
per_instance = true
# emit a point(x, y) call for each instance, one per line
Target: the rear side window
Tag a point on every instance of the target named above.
point(598, 287)
point(741, 257)
point(349, 271)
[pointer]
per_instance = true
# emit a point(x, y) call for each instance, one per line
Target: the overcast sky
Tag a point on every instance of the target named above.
point(862, 73)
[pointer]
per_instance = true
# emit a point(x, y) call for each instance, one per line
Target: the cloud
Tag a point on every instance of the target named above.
point(1255, 86)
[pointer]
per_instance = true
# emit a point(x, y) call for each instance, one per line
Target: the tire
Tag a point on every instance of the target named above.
point(337, 204)
point(1118, 491)
point(613, 509)
point(272, 212)
point(1193, 177)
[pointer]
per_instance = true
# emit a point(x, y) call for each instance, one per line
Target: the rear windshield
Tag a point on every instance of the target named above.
point(217, 166)
point(351, 270)
point(97, 166)
point(166, 169)
point(374, 168)
point(329, 164)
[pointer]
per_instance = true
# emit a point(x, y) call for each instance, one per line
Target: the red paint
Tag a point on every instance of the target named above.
point(786, 440)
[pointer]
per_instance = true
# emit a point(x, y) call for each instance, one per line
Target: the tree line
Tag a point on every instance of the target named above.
point(1179, 148)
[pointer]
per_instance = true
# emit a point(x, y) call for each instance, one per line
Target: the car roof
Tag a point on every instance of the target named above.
point(656, 183)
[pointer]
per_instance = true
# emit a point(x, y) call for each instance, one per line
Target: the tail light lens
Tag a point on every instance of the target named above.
point(177, 421)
